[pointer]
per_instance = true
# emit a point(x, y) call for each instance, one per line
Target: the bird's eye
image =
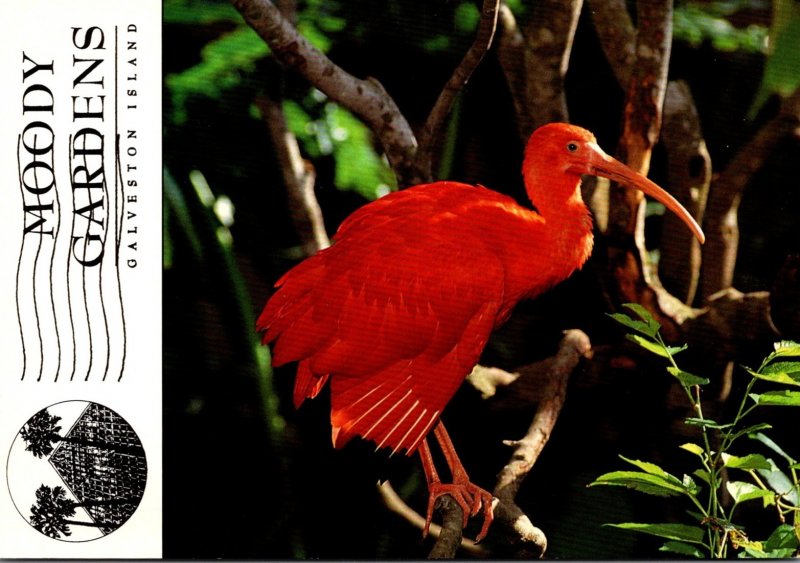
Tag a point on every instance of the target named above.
point(572, 147)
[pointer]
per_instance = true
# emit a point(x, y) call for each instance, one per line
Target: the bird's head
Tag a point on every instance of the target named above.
point(567, 152)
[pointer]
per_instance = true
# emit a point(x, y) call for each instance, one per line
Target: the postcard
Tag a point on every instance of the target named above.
point(81, 280)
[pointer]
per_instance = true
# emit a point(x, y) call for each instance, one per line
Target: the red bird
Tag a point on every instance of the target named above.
point(397, 311)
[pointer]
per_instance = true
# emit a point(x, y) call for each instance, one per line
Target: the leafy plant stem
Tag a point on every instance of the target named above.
point(713, 509)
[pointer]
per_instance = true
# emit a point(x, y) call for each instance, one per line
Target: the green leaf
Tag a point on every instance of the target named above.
point(703, 475)
point(767, 441)
point(784, 348)
point(750, 461)
point(742, 491)
point(466, 17)
point(754, 550)
point(782, 553)
point(693, 448)
point(643, 482)
point(789, 368)
point(782, 538)
point(750, 430)
point(638, 326)
point(679, 532)
point(780, 482)
point(696, 515)
point(192, 12)
point(225, 62)
point(687, 379)
point(358, 166)
point(682, 548)
point(690, 486)
point(644, 314)
point(648, 345)
point(706, 422)
point(695, 22)
point(778, 398)
point(650, 468)
point(785, 378)
point(310, 31)
point(780, 72)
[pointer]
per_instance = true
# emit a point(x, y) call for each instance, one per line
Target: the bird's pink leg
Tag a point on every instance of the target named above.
point(469, 496)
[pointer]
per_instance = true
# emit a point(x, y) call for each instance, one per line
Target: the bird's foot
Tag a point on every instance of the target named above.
point(469, 497)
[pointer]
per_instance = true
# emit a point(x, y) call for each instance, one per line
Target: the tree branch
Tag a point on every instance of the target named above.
point(366, 98)
point(451, 533)
point(535, 62)
point(298, 176)
point(628, 275)
point(617, 36)
point(433, 125)
point(689, 177)
point(511, 56)
point(394, 503)
point(555, 371)
point(721, 224)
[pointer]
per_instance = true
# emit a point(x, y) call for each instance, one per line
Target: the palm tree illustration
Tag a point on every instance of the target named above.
point(50, 515)
point(42, 431)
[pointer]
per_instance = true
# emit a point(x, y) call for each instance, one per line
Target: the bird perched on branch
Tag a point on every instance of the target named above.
point(397, 311)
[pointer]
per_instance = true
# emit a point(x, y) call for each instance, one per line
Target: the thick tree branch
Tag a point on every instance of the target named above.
point(689, 177)
point(535, 68)
point(366, 98)
point(645, 98)
point(627, 273)
point(432, 129)
point(393, 502)
point(511, 55)
point(451, 533)
point(617, 36)
point(721, 224)
point(721, 323)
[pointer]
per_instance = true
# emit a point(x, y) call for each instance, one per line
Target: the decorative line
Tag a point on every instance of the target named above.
point(119, 202)
point(19, 267)
point(57, 231)
point(121, 193)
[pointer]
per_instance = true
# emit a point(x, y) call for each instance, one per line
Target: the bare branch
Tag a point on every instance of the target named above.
point(556, 371)
point(487, 380)
point(617, 36)
point(366, 98)
point(629, 278)
point(721, 224)
point(511, 55)
point(451, 532)
point(433, 125)
point(721, 322)
point(535, 62)
point(299, 176)
point(689, 179)
point(393, 502)
point(642, 122)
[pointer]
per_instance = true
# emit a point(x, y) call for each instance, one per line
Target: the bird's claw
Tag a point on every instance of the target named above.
point(469, 497)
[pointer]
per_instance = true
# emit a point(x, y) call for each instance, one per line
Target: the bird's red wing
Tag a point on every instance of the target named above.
point(396, 313)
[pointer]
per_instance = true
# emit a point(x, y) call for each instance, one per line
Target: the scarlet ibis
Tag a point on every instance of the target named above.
point(397, 311)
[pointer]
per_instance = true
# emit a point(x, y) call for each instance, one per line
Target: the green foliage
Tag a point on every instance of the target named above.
point(225, 62)
point(774, 486)
point(696, 22)
point(781, 75)
point(324, 128)
point(199, 12)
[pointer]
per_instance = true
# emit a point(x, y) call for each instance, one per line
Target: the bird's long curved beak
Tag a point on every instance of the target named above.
point(601, 164)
